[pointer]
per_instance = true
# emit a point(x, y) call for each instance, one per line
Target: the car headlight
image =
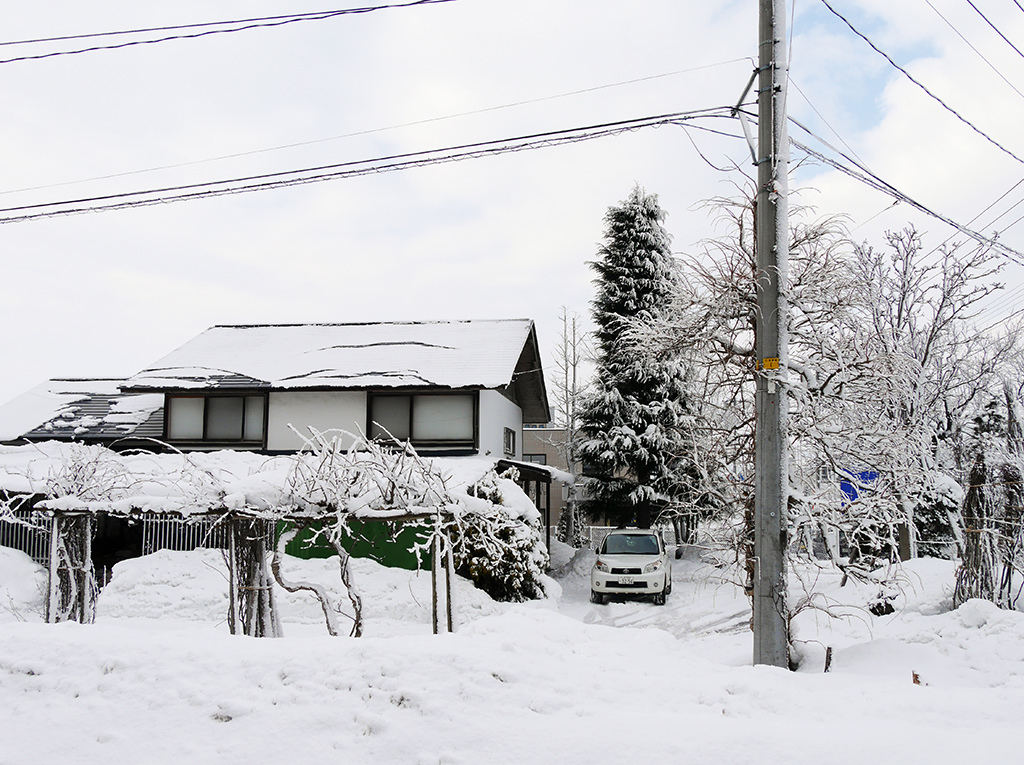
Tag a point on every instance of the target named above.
point(652, 567)
point(600, 565)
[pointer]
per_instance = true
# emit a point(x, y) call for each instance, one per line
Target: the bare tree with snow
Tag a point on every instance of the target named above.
point(885, 369)
point(569, 387)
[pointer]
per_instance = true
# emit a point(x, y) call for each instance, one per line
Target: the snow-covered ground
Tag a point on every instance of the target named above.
point(158, 679)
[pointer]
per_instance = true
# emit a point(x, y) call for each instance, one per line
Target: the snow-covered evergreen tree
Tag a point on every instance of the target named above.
point(632, 423)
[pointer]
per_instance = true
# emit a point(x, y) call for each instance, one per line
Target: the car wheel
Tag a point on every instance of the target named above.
point(668, 585)
point(659, 599)
point(597, 597)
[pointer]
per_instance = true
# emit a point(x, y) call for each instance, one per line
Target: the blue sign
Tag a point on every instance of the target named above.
point(849, 487)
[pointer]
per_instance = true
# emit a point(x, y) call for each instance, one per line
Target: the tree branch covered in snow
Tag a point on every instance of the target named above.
point(568, 389)
point(992, 567)
point(491, 544)
point(885, 372)
point(498, 546)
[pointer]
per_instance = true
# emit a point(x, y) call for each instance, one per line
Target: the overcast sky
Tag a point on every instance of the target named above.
point(104, 294)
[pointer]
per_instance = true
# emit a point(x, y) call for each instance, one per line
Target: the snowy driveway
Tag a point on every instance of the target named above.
point(704, 608)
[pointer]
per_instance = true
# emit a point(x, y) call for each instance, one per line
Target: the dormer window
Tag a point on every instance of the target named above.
point(216, 418)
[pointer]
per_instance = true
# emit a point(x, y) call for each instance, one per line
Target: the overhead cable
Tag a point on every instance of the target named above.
point(972, 47)
point(371, 131)
point(209, 28)
point(822, 117)
point(995, 28)
point(347, 169)
point(865, 176)
point(910, 77)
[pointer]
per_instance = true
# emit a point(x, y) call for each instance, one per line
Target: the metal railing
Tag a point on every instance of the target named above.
point(160, 533)
point(31, 537)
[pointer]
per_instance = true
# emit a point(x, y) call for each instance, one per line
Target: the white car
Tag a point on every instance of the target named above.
point(632, 562)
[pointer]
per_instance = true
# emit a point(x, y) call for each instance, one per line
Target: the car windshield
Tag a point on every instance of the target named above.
point(630, 544)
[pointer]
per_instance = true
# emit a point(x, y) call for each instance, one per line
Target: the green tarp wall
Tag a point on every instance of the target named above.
point(390, 544)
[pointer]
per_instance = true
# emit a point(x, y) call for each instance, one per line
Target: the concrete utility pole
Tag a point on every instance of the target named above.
point(771, 633)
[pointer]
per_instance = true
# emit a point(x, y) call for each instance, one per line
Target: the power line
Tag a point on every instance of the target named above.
point(999, 199)
point(286, 17)
point(371, 131)
point(1003, 300)
point(868, 178)
point(994, 27)
point(350, 169)
point(910, 77)
point(1004, 320)
point(239, 25)
point(1006, 212)
point(973, 220)
point(822, 118)
point(972, 47)
point(868, 220)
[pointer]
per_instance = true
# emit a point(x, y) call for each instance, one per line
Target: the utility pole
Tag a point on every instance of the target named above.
point(771, 633)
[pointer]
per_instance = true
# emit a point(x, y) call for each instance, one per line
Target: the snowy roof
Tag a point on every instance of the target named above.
point(553, 473)
point(450, 354)
point(66, 409)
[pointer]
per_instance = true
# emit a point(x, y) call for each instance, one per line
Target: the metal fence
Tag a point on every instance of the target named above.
point(596, 534)
point(175, 534)
point(31, 536)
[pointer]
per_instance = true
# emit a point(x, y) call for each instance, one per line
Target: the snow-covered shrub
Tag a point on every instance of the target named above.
point(500, 551)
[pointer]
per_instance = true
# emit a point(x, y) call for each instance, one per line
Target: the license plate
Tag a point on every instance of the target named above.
point(625, 580)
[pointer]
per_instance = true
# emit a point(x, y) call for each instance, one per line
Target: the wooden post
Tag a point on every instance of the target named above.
point(86, 576)
point(53, 592)
point(449, 573)
point(435, 562)
point(233, 617)
point(547, 518)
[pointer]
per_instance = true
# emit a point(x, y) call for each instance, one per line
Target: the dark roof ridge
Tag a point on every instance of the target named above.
point(364, 323)
point(85, 379)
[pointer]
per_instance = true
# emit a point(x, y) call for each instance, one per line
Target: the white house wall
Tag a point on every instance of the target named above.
point(496, 414)
point(323, 410)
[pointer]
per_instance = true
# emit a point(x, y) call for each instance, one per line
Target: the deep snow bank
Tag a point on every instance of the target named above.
point(158, 680)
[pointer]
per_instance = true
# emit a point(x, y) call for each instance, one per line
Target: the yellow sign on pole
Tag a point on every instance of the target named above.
point(770, 363)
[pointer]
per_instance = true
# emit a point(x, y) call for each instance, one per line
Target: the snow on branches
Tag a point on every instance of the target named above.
point(632, 424)
point(491, 529)
point(992, 567)
point(886, 370)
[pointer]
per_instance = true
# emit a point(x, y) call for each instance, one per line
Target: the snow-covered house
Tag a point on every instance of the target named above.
point(452, 388)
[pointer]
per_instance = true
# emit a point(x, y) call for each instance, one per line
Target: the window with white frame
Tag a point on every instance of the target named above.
point(425, 419)
point(216, 418)
point(509, 442)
